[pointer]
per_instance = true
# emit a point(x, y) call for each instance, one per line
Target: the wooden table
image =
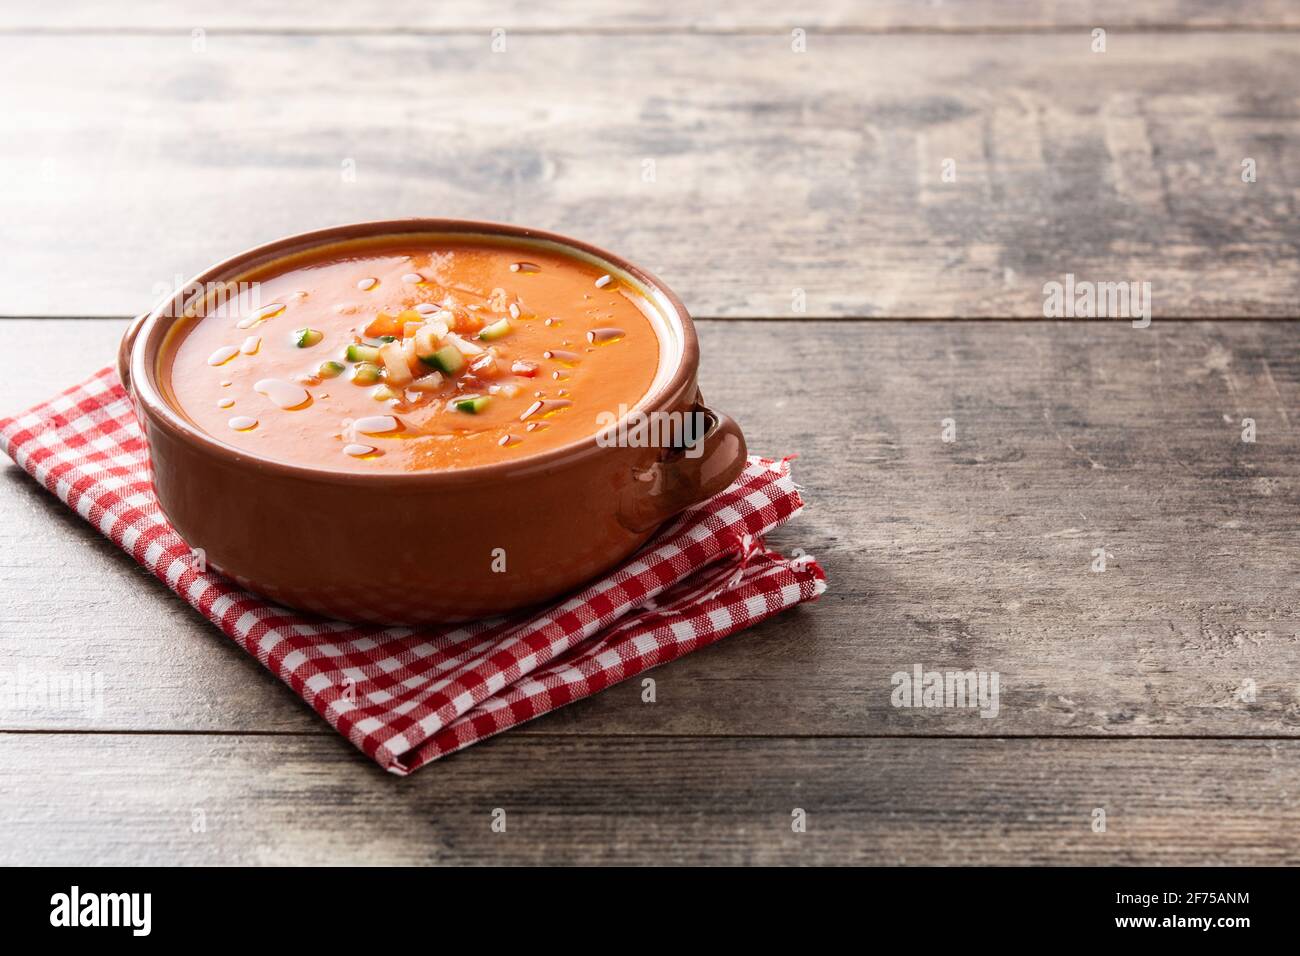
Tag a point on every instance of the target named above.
point(797, 201)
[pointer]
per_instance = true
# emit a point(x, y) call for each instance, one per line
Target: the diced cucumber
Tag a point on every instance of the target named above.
point(497, 330)
point(473, 405)
point(447, 359)
point(306, 338)
point(387, 338)
point(382, 393)
point(330, 369)
point(366, 373)
point(363, 353)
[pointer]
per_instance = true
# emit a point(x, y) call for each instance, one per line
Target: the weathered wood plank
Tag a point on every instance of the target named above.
point(80, 799)
point(780, 180)
point(971, 555)
point(632, 15)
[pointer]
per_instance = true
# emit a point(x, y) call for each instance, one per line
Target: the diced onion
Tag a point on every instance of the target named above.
point(463, 346)
point(428, 383)
point(394, 359)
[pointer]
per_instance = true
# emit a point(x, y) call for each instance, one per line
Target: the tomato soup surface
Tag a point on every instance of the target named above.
point(409, 355)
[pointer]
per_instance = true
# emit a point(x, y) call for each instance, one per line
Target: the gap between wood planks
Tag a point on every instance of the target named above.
point(1261, 27)
point(639, 735)
point(805, 317)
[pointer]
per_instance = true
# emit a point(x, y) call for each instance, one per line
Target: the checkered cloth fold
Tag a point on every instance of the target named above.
point(409, 696)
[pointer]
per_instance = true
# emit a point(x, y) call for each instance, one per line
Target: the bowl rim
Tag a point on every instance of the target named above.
point(149, 335)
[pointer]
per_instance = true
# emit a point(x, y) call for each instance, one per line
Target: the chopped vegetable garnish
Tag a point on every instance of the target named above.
point(524, 369)
point(306, 338)
point(413, 362)
point(447, 359)
point(472, 405)
point(394, 359)
point(466, 347)
point(330, 369)
point(363, 353)
point(427, 383)
point(382, 393)
point(497, 330)
point(384, 324)
point(485, 366)
point(366, 373)
point(427, 339)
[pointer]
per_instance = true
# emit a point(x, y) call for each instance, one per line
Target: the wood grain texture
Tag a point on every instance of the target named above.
point(127, 160)
point(85, 799)
point(970, 555)
point(640, 15)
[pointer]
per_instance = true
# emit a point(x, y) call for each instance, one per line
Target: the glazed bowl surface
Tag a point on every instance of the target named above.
point(476, 541)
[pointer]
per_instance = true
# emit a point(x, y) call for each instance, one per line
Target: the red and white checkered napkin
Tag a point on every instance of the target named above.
point(405, 696)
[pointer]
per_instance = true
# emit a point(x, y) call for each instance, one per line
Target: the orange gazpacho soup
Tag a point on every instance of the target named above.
point(410, 355)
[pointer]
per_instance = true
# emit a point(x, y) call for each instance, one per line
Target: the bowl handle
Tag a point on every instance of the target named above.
point(124, 350)
point(682, 479)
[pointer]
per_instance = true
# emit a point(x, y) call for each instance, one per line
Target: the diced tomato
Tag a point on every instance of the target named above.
point(485, 367)
point(467, 321)
point(525, 369)
point(384, 324)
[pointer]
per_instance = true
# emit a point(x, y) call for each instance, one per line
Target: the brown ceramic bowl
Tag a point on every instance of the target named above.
point(562, 516)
